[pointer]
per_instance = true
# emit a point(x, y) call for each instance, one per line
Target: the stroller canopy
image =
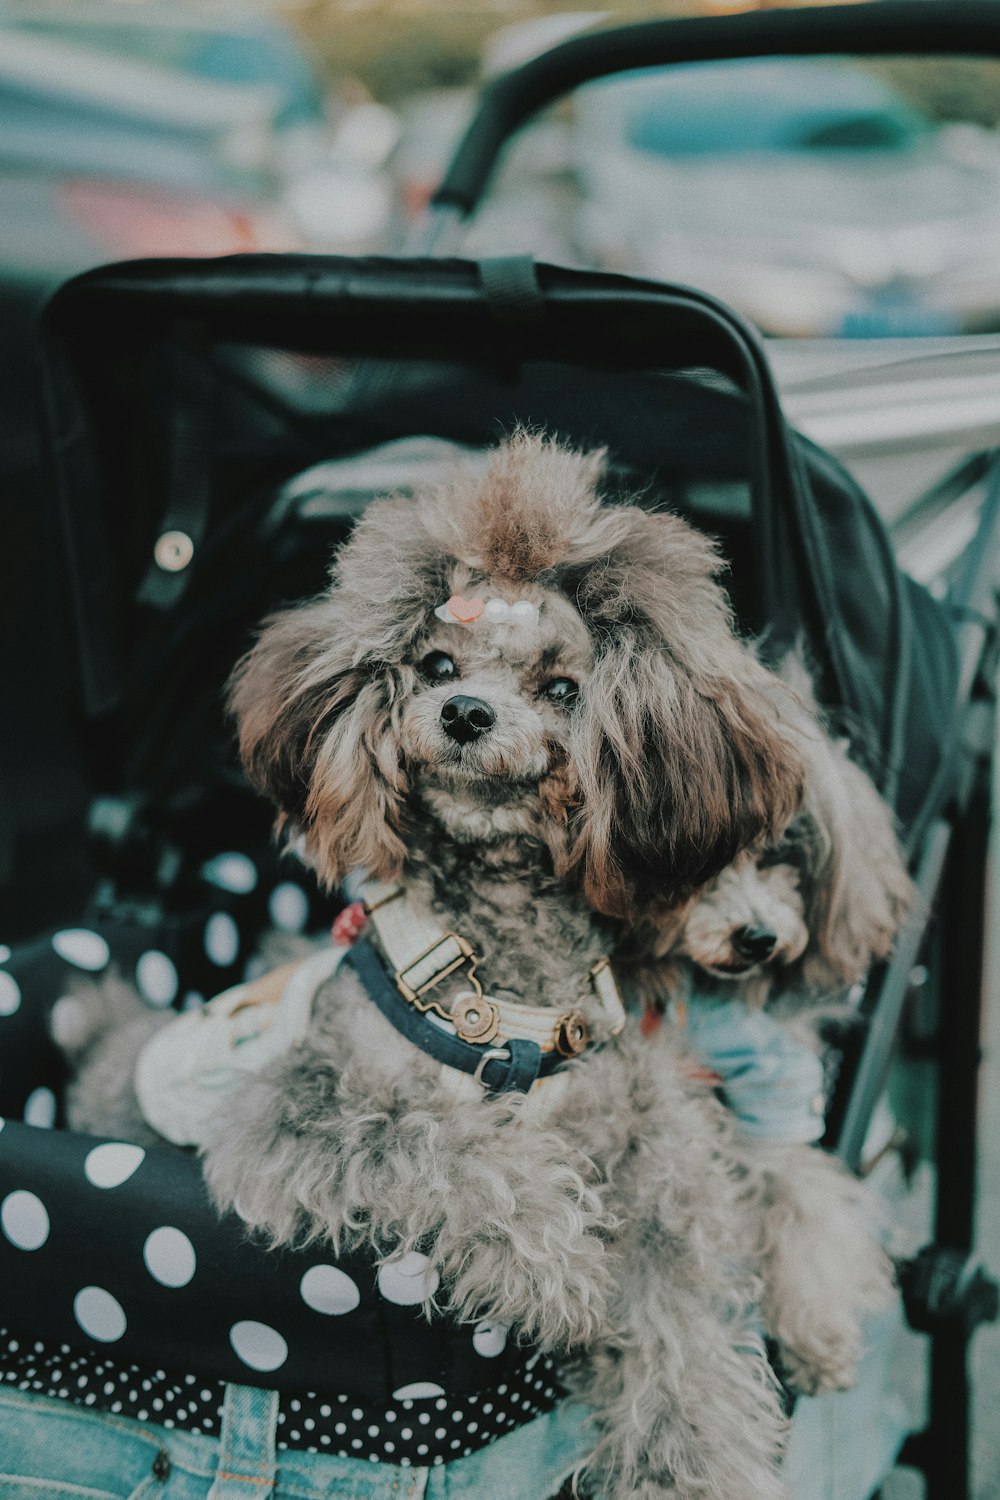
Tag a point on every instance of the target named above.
point(184, 395)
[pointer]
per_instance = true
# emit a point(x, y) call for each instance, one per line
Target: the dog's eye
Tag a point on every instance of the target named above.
point(561, 690)
point(438, 666)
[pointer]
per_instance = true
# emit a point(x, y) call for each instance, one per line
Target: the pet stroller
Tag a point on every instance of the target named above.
point(215, 428)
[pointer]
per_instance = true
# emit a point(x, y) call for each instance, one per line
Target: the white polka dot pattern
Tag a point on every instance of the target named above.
point(231, 872)
point(327, 1289)
point(414, 1392)
point(169, 1256)
point(82, 948)
point(489, 1339)
point(258, 1345)
point(409, 1280)
point(288, 907)
point(110, 1165)
point(40, 1109)
point(418, 1429)
point(222, 939)
point(24, 1219)
point(10, 994)
point(156, 976)
point(100, 1315)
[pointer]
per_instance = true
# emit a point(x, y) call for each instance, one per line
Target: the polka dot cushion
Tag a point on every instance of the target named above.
point(421, 1425)
point(122, 1245)
point(113, 1260)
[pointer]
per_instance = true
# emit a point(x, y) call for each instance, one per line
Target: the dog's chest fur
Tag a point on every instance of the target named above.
point(536, 939)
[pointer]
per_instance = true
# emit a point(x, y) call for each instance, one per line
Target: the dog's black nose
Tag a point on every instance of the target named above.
point(466, 719)
point(756, 943)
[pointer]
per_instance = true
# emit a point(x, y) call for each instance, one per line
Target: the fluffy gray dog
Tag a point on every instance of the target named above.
point(793, 927)
point(529, 711)
point(801, 919)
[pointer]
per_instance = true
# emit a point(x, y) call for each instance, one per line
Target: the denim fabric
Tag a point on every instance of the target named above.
point(772, 1081)
point(54, 1450)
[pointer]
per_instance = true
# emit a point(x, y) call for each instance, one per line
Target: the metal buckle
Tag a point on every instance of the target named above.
point(503, 1053)
point(572, 1034)
point(467, 955)
point(475, 1018)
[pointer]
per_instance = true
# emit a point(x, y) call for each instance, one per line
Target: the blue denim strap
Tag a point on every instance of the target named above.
point(247, 1463)
point(526, 1063)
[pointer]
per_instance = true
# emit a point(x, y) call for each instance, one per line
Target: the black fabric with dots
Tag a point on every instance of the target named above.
point(417, 1430)
point(119, 1246)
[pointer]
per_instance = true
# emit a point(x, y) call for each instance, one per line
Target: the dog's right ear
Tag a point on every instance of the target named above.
point(315, 737)
point(677, 773)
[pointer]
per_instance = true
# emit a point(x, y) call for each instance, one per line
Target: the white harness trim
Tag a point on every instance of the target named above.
point(423, 954)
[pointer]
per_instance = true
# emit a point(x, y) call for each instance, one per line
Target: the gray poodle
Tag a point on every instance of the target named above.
point(794, 926)
point(529, 713)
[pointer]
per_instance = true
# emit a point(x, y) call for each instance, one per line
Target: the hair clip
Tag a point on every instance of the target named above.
point(461, 611)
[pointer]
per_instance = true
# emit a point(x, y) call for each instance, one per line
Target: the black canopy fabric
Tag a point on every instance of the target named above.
point(181, 393)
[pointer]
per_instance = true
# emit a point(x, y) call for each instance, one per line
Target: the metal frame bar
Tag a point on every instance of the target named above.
point(945, 1443)
point(975, 609)
point(952, 874)
point(904, 27)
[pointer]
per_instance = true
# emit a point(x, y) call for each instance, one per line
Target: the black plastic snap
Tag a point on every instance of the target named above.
point(161, 1466)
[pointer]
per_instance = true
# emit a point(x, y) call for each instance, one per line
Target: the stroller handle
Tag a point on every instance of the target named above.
point(903, 27)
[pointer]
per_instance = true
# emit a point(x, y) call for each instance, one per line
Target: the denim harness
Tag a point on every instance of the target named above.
point(505, 1045)
point(511, 1068)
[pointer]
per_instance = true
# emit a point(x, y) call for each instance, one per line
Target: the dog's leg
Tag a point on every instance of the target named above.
point(685, 1400)
point(821, 1263)
point(524, 1240)
point(686, 1403)
point(304, 1150)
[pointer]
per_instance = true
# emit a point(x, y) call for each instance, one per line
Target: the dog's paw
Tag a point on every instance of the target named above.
point(554, 1296)
point(824, 1358)
point(818, 1327)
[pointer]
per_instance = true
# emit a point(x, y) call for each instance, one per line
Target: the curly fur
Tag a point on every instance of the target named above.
point(833, 892)
point(603, 1212)
point(833, 889)
point(101, 1026)
point(819, 1252)
point(682, 751)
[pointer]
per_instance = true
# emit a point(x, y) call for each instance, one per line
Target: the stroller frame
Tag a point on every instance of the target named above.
point(946, 1294)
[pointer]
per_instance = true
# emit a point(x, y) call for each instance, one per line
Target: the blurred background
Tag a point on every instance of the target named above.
point(850, 209)
point(842, 205)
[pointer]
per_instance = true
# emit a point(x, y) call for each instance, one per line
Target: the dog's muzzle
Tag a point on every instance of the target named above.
point(466, 719)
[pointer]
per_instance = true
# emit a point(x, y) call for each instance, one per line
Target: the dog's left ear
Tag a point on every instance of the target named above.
point(678, 772)
point(855, 885)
